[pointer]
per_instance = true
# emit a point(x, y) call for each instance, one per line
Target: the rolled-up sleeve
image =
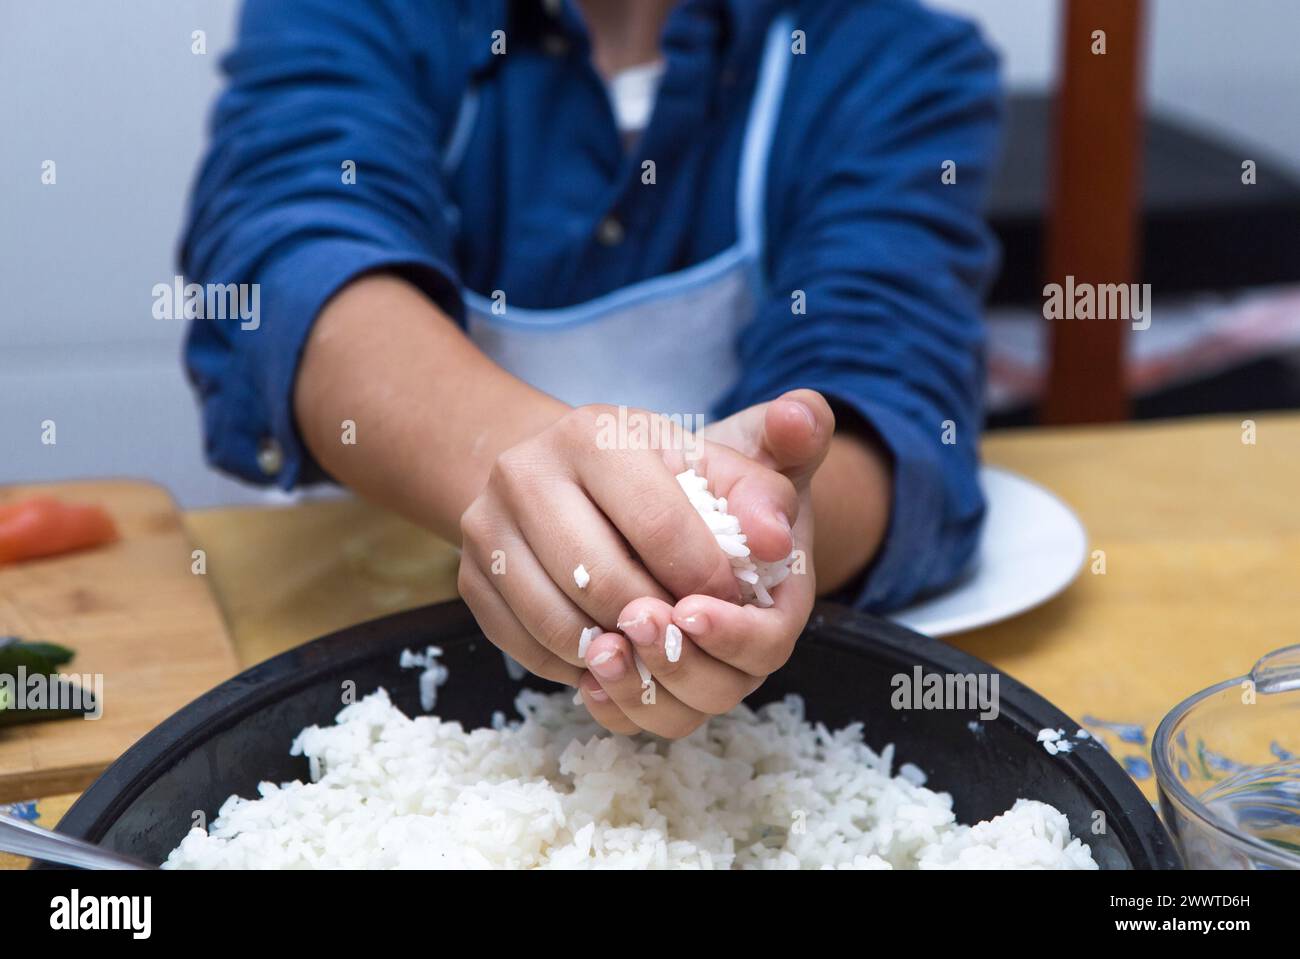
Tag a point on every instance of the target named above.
point(323, 166)
point(878, 236)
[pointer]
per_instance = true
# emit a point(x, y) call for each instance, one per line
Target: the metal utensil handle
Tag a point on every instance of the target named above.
point(26, 839)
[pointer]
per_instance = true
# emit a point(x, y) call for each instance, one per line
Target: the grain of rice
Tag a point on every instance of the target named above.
point(584, 640)
point(581, 576)
point(673, 643)
point(513, 669)
point(913, 774)
point(433, 674)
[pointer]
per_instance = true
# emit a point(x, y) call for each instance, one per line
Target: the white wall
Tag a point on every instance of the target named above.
point(113, 94)
point(1024, 32)
point(1231, 66)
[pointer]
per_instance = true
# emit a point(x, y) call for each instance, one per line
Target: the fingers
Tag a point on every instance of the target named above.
point(695, 678)
point(527, 589)
point(603, 709)
point(640, 495)
point(569, 531)
point(797, 431)
point(504, 629)
point(790, 434)
point(649, 705)
point(752, 639)
point(765, 501)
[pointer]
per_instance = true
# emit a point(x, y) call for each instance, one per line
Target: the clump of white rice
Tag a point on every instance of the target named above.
point(757, 578)
point(1055, 741)
point(749, 790)
point(433, 674)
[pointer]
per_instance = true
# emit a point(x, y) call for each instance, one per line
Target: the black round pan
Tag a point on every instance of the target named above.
point(844, 666)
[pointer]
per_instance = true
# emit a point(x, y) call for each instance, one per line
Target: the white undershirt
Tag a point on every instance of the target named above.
point(632, 94)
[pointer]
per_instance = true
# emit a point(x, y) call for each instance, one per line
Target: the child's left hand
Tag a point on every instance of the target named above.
point(727, 650)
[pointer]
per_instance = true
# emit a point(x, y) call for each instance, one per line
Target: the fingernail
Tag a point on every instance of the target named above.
point(640, 630)
point(807, 414)
point(598, 695)
point(696, 625)
point(607, 664)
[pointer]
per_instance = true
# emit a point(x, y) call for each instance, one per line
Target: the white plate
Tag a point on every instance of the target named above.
point(1033, 546)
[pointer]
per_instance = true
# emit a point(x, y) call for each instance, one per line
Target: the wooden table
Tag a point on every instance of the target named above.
point(143, 626)
point(1200, 533)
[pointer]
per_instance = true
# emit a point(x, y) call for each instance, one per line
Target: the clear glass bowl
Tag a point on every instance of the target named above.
point(1227, 764)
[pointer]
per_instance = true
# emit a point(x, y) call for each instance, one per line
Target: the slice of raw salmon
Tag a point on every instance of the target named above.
point(45, 526)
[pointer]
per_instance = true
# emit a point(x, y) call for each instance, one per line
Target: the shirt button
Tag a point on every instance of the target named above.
point(555, 45)
point(610, 232)
point(270, 458)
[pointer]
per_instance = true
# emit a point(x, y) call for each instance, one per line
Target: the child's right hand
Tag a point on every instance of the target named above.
point(561, 498)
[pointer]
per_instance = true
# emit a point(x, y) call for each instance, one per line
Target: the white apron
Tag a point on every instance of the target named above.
point(666, 344)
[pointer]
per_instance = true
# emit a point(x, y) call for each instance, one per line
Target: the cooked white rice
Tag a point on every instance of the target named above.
point(585, 638)
point(756, 578)
point(672, 643)
point(748, 790)
point(1055, 741)
point(433, 674)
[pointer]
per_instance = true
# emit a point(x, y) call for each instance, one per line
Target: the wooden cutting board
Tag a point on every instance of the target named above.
point(133, 611)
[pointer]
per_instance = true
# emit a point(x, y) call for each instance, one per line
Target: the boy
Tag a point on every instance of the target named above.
point(476, 224)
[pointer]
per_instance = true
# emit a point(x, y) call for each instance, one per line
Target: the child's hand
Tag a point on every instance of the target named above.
point(566, 497)
point(726, 650)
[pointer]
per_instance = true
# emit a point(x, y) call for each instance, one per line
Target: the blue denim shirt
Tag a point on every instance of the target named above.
point(882, 155)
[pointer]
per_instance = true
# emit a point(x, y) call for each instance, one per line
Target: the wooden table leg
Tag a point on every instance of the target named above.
point(1094, 217)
